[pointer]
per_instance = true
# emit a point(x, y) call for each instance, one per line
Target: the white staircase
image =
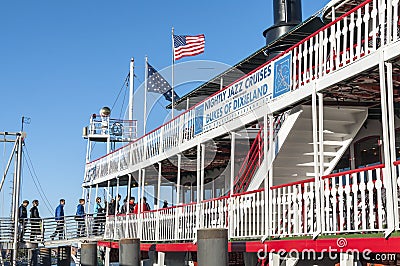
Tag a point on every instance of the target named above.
point(294, 153)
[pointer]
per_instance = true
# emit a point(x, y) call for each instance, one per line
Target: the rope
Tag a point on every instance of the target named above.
point(120, 90)
point(4, 169)
point(36, 181)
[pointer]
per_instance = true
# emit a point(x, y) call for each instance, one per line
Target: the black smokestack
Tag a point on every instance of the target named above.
point(287, 14)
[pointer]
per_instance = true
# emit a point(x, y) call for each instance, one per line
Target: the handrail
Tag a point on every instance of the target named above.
point(293, 183)
point(193, 203)
point(354, 171)
point(396, 163)
point(248, 192)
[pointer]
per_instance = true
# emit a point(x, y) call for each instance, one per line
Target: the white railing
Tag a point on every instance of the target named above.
point(242, 214)
point(349, 38)
point(67, 228)
point(247, 215)
point(397, 187)
point(117, 129)
point(6, 230)
point(355, 201)
point(352, 202)
point(293, 209)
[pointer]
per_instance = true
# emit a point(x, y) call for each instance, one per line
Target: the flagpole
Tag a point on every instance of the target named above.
point(173, 65)
point(131, 95)
point(131, 77)
point(145, 94)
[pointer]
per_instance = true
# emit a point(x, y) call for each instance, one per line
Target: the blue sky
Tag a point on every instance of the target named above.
point(61, 61)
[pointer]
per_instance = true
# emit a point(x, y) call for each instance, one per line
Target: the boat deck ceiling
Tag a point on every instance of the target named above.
point(218, 153)
point(341, 7)
point(363, 89)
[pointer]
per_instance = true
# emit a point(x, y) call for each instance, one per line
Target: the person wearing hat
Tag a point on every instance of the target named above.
point(22, 218)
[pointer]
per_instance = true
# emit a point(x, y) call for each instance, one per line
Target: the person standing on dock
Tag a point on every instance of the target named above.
point(35, 221)
point(22, 218)
point(59, 217)
point(80, 218)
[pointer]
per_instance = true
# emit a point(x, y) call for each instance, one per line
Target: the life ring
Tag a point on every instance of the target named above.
point(116, 129)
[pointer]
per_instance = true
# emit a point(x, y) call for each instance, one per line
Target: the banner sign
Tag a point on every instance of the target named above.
point(249, 93)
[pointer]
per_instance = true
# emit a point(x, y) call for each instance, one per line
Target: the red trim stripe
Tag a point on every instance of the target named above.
point(374, 244)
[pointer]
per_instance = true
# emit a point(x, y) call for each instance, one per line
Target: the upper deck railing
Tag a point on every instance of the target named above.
point(349, 38)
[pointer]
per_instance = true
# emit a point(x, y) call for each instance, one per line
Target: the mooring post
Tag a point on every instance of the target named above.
point(212, 247)
point(45, 257)
point(129, 252)
point(89, 254)
point(33, 256)
point(64, 256)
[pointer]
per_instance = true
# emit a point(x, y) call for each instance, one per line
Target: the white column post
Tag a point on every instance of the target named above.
point(116, 209)
point(108, 198)
point(321, 156)
point(387, 182)
point(178, 183)
point(232, 182)
point(116, 197)
point(198, 199)
point(232, 185)
point(198, 172)
point(139, 188)
point(158, 202)
point(97, 192)
point(203, 153)
point(269, 150)
point(316, 165)
point(138, 217)
point(128, 197)
point(143, 186)
point(128, 188)
point(392, 139)
point(141, 205)
point(88, 200)
point(159, 185)
point(16, 196)
point(107, 257)
point(178, 197)
point(187, 103)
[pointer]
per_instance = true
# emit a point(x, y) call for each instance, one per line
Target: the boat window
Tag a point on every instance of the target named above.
point(367, 151)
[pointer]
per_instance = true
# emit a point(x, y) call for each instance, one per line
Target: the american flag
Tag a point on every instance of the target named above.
point(157, 83)
point(185, 45)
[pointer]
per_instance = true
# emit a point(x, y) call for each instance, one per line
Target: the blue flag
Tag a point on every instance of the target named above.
point(157, 83)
